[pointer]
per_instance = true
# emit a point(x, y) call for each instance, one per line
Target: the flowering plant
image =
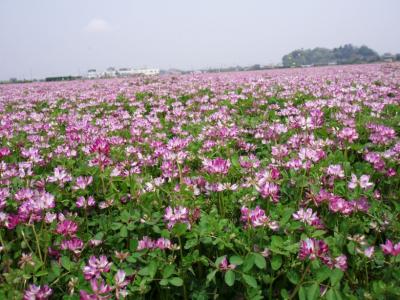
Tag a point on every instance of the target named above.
point(268, 185)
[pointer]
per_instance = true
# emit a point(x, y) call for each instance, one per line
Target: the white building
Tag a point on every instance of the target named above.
point(147, 72)
point(110, 72)
point(92, 74)
point(126, 72)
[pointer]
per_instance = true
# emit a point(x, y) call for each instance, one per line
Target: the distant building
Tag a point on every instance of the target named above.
point(124, 72)
point(388, 57)
point(147, 72)
point(121, 72)
point(110, 73)
point(92, 74)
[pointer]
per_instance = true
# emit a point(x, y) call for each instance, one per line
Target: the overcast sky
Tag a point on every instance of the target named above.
point(61, 37)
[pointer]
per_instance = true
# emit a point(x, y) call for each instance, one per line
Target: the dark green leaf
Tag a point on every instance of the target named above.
point(236, 260)
point(260, 261)
point(176, 281)
point(230, 278)
point(168, 271)
point(276, 262)
point(302, 293)
point(293, 277)
point(248, 263)
point(313, 292)
point(250, 280)
point(336, 276)
point(66, 263)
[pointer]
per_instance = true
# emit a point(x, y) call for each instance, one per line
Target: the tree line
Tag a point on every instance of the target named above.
point(347, 54)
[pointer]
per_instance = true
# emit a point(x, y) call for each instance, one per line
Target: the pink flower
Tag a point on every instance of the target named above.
point(348, 134)
point(369, 252)
point(341, 262)
point(60, 176)
point(216, 166)
point(82, 202)
point(145, 243)
point(100, 291)
point(381, 134)
point(4, 151)
point(335, 171)
point(75, 245)
point(312, 249)
point(67, 228)
point(96, 266)
point(175, 215)
point(100, 145)
point(256, 217)
point(269, 189)
point(390, 249)
point(119, 279)
point(363, 182)
point(160, 243)
point(224, 266)
point(37, 292)
point(82, 182)
point(307, 216)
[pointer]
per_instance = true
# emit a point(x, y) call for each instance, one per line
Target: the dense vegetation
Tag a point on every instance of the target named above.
point(265, 185)
point(347, 54)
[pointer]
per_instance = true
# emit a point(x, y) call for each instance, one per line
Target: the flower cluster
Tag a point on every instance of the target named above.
point(389, 248)
point(175, 215)
point(256, 217)
point(160, 243)
point(317, 249)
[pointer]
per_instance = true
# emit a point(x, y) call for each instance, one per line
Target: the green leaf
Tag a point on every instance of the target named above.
point(260, 261)
point(330, 295)
point(318, 233)
point(336, 276)
point(152, 269)
point(211, 275)
point(323, 273)
point(125, 216)
point(41, 273)
point(313, 292)
point(284, 294)
point(123, 232)
point(191, 243)
point(144, 271)
point(66, 263)
point(248, 263)
point(230, 278)
point(293, 277)
point(116, 226)
point(179, 229)
point(168, 271)
point(333, 294)
point(302, 293)
point(286, 216)
point(250, 280)
point(236, 260)
point(276, 241)
point(133, 243)
point(338, 294)
point(276, 262)
point(164, 282)
point(176, 281)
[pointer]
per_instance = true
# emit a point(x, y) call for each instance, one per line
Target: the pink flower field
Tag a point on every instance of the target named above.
point(279, 184)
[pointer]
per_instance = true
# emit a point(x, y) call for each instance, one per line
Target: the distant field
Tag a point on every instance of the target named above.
point(279, 184)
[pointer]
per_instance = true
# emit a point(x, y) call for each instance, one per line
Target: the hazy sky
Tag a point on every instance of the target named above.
point(41, 38)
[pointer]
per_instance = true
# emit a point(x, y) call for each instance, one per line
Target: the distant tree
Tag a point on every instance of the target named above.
point(398, 56)
point(255, 67)
point(368, 54)
point(348, 54)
